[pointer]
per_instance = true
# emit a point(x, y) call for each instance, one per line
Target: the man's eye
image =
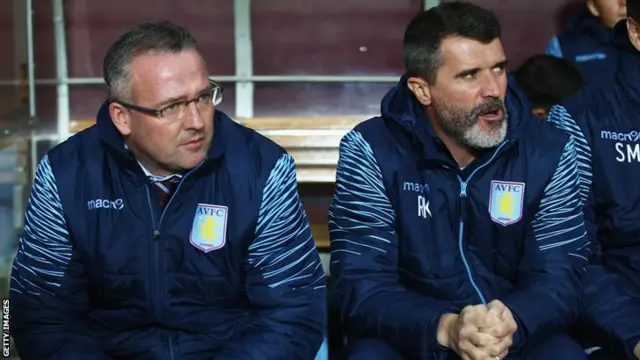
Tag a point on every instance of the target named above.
point(204, 98)
point(172, 107)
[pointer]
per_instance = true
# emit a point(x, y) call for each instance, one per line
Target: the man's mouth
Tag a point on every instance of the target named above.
point(193, 142)
point(494, 114)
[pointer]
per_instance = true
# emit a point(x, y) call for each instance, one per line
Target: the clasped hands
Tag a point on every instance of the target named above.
point(479, 332)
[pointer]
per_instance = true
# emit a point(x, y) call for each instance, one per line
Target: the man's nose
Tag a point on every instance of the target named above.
point(194, 118)
point(490, 87)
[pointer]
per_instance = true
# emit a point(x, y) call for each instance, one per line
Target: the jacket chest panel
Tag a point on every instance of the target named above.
point(434, 222)
point(122, 231)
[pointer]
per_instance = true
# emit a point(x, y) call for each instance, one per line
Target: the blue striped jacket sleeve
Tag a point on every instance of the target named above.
point(49, 301)
point(364, 260)
point(561, 118)
point(549, 289)
point(285, 281)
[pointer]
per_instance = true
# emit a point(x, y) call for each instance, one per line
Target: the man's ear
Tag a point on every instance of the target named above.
point(420, 89)
point(121, 118)
point(634, 33)
point(593, 8)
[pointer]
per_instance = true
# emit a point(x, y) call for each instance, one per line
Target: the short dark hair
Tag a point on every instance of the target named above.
point(143, 38)
point(633, 9)
point(546, 80)
point(425, 33)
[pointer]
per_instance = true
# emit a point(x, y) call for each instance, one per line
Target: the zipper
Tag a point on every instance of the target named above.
point(463, 202)
point(155, 269)
point(171, 346)
point(154, 255)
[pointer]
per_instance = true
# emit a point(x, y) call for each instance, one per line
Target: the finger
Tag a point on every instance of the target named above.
point(472, 314)
point(499, 348)
point(502, 311)
point(500, 330)
point(480, 308)
point(506, 326)
point(474, 353)
point(480, 318)
point(496, 304)
point(465, 332)
point(512, 325)
point(494, 317)
point(503, 354)
point(482, 340)
point(474, 309)
point(466, 312)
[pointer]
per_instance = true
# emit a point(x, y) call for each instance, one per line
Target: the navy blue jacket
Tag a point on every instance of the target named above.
point(228, 270)
point(588, 45)
point(414, 237)
point(604, 122)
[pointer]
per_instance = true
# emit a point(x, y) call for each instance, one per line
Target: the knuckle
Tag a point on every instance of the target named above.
point(478, 307)
point(464, 344)
point(465, 332)
point(469, 309)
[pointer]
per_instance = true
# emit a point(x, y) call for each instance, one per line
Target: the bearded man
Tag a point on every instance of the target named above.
point(457, 228)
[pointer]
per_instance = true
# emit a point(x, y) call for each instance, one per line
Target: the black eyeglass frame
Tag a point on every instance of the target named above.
point(159, 112)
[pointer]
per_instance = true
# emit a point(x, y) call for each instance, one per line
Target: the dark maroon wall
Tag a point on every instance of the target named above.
point(7, 40)
point(330, 37)
point(527, 25)
point(8, 99)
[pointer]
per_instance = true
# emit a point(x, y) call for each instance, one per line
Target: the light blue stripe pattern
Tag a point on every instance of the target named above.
point(359, 177)
point(559, 220)
point(284, 250)
point(45, 250)
point(559, 117)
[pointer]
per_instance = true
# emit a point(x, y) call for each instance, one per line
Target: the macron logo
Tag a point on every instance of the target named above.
point(117, 204)
point(416, 187)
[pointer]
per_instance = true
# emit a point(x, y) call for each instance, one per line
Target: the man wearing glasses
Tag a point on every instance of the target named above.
point(166, 231)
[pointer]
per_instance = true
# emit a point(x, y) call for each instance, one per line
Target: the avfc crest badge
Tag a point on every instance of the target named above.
point(209, 230)
point(506, 201)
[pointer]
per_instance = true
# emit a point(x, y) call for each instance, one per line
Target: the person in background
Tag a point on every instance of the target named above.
point(166, 230)
point(455, 233)
point(587, 43)
point(604, 120)
point(546, 80)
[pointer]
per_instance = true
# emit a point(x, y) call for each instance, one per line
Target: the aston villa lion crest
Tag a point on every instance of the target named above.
point(506, 202)
point(209, 230)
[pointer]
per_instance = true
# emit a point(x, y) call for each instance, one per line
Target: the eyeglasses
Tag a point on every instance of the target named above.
point(179, 109)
